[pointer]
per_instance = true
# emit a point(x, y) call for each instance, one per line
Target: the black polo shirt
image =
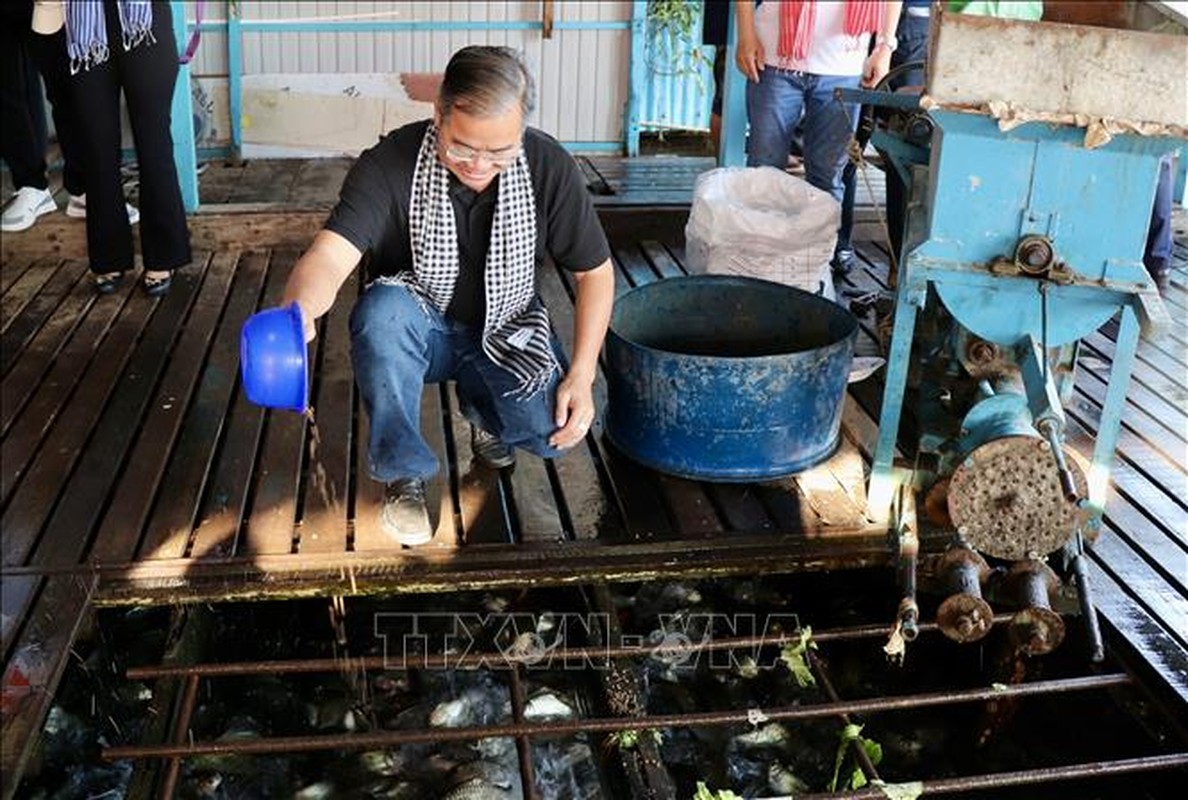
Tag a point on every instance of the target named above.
point(372, 214)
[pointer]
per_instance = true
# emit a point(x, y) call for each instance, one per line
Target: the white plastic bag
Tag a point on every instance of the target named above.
point(762, 222)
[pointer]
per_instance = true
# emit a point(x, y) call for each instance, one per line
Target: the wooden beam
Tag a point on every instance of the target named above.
point(247, 226)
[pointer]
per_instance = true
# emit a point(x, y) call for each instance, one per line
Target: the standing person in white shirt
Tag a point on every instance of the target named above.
point(795, 55)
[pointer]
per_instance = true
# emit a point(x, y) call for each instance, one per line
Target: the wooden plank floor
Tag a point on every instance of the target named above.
point(132, 469)
point(127, 442)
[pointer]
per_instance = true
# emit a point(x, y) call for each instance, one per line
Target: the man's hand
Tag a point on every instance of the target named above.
point(876, 66)
point(749, 53)
point(575, 410)
point(749, 56)
point(575, 396)
point(319, 272)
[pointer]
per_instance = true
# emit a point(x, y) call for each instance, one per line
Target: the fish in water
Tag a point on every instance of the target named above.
point(479, 705)
point(477, 789)
point(381, 762)
point(565, 771)
point(547, 706)
point(771, 735)
point(783, 781)
point(484, 780)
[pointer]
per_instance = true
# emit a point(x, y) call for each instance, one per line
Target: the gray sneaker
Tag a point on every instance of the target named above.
point(489, 451)
point(403, 516)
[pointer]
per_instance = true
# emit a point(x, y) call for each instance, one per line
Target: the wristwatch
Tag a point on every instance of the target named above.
point(890, 42)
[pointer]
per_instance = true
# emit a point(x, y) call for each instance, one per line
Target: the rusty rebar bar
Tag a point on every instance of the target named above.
point(387, 739)
point(864, 763)
point(499, 660)
point(523, 743)
point(185, 711)
point(1026, 777)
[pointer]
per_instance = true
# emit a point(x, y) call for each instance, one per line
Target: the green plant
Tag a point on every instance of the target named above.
point(795, 657)
point(629, 739)
point(673, 32)
point(874, 751)
point(706, 793)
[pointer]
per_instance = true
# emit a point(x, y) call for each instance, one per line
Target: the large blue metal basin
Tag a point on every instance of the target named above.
point(727, 378)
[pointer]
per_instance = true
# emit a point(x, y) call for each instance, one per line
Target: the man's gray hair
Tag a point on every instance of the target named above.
point(486, 81)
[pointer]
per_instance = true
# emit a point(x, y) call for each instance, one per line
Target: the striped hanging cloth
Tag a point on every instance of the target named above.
point(86, 30)
point(797, 18)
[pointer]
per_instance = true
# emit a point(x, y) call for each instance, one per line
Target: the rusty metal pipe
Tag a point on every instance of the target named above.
point(1080, 572)
point(1028, 777)
point(1036, 629)
point(964, 616)
point(185, 712)
point(908, 615)
point(1068, 484)
point(523, 744)
point(498, 660)
point(1032, 588)
point(864, 763)
point(387, 739)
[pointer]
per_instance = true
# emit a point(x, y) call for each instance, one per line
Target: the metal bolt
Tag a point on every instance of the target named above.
point(1035, 254)
point(982, 352)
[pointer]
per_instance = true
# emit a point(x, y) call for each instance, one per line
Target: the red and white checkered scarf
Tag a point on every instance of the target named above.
point(797, 17)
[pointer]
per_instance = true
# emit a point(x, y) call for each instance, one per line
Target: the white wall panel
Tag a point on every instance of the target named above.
point(581, 74)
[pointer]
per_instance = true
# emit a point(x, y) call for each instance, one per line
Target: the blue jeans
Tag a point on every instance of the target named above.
point(913, 46)
point(398, 346)
point(912, 35)
point(774, 107)
point(1158, 254)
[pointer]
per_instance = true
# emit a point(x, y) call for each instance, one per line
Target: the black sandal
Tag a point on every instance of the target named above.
point(155, 287)
point(108, 282)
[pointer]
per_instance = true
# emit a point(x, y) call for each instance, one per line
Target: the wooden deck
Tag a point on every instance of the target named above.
point(133, 470)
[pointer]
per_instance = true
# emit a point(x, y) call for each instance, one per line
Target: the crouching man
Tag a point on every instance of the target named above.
point(456, 214)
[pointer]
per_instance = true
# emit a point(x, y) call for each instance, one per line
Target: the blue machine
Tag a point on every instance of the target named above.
point(1030, 238)
point(1017, 244)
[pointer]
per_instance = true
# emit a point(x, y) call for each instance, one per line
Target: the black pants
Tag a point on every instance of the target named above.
point(24, 54)
point(49, 54)
point(22, 136)
point(146, 74)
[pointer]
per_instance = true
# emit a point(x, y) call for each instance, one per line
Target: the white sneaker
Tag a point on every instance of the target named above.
point(77, 208)
point(25, 207)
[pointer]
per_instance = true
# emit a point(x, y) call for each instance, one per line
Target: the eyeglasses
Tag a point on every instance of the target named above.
point(500, 159)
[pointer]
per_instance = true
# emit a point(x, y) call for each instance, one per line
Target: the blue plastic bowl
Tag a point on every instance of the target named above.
point(272, 359)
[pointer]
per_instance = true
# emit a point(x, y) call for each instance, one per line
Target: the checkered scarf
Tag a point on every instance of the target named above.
point(86, 30)
point(516, 333)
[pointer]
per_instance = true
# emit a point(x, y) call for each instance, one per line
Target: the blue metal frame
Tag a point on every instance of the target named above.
point(235, 78)
point(592, 147)
point(732, 148)
point(182, 119)
point(390, 26)
point(236, 27)
point(637, 70)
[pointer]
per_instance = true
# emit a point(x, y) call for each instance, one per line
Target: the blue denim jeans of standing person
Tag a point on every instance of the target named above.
point(1157, 256)
point(774, 107)
point(912, 34)
point(398, 346)
point(912, 38)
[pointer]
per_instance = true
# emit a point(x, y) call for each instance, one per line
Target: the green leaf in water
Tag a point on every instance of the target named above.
point(874, 751)
point(629, 739)
point(705, 793)
point(901, 791)
point(795, 656)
